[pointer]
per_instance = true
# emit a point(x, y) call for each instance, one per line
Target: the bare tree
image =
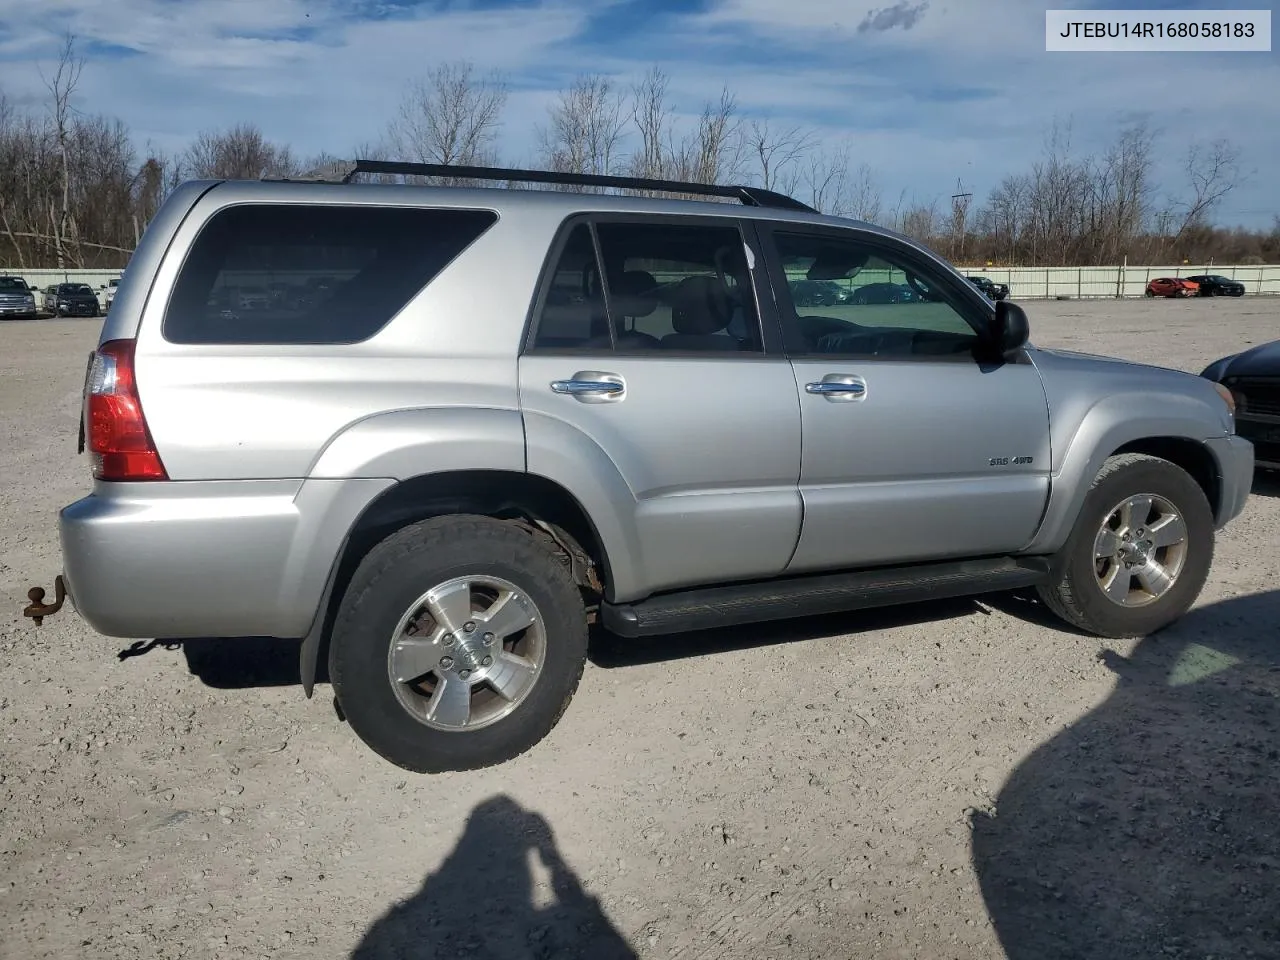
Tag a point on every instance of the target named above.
point(586, 128)
point(1213, 171)
point(241, 153)
point(718, 152)
point(863, 195)
point(61, 88)
point(826, 175)
point(921, 222)
point(652, 117)
point(778, 153)
point(450, 116)
point(1124, 191)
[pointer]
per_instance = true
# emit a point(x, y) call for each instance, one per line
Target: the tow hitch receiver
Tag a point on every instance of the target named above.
point(37, 609)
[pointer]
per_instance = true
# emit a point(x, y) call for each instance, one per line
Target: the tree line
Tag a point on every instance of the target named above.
point(76, 191)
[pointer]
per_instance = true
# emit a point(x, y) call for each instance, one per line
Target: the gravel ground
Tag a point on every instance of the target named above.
point(952, 780)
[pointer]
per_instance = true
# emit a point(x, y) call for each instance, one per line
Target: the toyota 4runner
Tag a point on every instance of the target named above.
point(434, 432)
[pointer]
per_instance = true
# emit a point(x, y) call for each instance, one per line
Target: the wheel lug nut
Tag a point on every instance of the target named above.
point(464, 674)
point(447, 640)
point(488, 639)
point(469, 627)
point(487, 662)
point(446, 662)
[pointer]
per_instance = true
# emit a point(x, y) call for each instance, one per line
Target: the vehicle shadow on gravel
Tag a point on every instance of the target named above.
point(610, 651)
point(1266, 483)
point(235, 663)
point(1151, 827)
point(481, 902)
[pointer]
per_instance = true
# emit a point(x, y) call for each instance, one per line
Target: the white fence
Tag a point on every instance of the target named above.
point(1083, 283)
point(1025, 283)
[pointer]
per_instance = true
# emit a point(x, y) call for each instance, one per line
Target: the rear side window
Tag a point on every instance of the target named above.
point(287, 273)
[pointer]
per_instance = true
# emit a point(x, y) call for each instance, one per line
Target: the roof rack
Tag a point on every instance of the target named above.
point(344, 172)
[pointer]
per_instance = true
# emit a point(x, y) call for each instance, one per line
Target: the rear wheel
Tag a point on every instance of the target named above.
point(1140, 551)
point(458, 644)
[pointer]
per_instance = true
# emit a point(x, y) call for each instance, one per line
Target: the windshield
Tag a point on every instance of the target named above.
point(68, 288)
point(12, 283)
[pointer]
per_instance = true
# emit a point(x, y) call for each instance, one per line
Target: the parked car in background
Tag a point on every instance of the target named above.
point(17, 300)
point(1216, 285)
point(996, 291)
point(1253, 377)
point(111, 287)
point(884, 293)
point(71, 300)
point(1171, 287)
point(818, 293)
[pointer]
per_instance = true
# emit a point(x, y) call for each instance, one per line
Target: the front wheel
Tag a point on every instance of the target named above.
point(1140, 551)
point(458, 644)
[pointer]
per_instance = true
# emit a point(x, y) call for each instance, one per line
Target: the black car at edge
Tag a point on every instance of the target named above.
point(1216, 285)
point(996, 291)
point(1253, 377)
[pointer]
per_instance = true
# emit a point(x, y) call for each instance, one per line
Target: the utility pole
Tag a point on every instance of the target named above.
point(959, 213)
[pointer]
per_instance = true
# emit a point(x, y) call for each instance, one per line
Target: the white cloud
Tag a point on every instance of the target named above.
point(890, 92)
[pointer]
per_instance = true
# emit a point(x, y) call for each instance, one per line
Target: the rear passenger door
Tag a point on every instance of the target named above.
point(647, 372)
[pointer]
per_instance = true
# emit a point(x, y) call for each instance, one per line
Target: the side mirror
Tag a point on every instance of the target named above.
point(1011, 330)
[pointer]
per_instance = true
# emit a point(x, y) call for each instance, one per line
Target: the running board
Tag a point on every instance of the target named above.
point(724, 606)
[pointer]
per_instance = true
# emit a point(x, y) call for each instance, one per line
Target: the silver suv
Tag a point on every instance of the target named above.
point(435, 433)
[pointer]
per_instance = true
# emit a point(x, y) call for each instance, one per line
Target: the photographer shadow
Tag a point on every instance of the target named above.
point(1151, 827)
point(481, 902)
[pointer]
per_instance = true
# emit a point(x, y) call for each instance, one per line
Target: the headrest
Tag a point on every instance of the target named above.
point(635, 294)
point(701, 305)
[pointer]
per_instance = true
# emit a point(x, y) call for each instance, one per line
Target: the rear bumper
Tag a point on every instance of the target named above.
point(1235, 459)
point(217, 559)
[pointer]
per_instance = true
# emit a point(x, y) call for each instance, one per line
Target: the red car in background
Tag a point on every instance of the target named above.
point(1172, 287)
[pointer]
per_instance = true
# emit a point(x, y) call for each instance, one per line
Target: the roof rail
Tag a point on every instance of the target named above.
point(345, 171)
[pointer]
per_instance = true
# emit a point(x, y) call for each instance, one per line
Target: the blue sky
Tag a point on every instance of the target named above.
point(925, 92)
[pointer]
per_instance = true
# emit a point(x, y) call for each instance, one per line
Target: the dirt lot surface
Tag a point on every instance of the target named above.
point(953, 780)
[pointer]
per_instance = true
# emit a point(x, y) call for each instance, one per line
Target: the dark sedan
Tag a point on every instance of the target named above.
point(996, 291)
point(1253, 377)
point(818, 293)
point(1216, 285)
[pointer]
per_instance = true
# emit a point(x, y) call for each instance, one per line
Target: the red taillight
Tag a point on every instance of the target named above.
point(118, 438)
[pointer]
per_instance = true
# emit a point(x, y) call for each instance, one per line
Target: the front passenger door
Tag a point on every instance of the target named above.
point(913, 449)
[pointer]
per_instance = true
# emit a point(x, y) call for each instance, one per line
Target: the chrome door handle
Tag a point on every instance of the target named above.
point(838, 387)
point(591, 386)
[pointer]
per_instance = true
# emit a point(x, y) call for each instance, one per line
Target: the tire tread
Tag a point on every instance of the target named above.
point(432, 535)
point(1060, 596)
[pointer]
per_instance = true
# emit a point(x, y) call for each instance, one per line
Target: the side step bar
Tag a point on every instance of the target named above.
point(709, 607)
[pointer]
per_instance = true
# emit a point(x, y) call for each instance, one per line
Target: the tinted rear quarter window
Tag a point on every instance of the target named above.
point(292, 273)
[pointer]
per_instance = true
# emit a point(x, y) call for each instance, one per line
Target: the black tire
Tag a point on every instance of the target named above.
point(399, 570)
point(1075, 594)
